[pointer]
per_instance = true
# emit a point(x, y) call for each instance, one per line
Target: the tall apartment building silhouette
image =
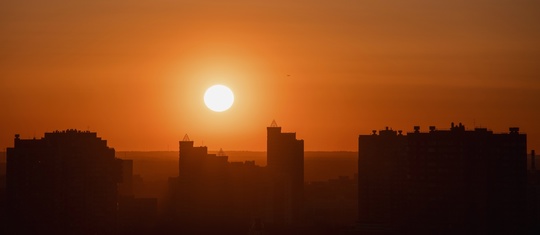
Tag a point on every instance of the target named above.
point(210, 190)
point(285, 163)
point(203, 182)
point(63, 183)
point(442, 181)
point(234, 196)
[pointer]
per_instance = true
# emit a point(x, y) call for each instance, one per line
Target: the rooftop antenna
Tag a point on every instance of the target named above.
point(274, 124)
point(186, 138)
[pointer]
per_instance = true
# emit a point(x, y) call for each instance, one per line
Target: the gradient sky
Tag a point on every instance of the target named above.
point(136, 71)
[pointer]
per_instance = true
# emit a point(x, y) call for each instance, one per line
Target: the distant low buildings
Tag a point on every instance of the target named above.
point(332, 205)
point(135, 215)
point(442, 181)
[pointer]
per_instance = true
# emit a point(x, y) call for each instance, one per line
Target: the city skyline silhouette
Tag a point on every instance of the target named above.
point(269, 117)
point(438, 181)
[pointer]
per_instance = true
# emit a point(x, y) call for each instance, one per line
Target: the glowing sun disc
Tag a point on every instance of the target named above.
point(218, 98)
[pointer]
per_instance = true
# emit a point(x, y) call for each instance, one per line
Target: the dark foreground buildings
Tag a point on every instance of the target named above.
point(213, 195)
point(453, 181)
point(286, 172)
point(63, 183)
point(533, 195)
point(70, 182)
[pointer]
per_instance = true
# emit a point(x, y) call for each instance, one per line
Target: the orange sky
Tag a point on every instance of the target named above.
point(136, 71)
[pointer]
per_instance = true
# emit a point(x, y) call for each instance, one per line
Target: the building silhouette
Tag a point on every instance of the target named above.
point(533, 195)
point(3, 204)
point(63, 183)
point(285, 163)
point(442, 181)
point(136, 215)
point(237, 197)
point(210, 190)
point(332, 205)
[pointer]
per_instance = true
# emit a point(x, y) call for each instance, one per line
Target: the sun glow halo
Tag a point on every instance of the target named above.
point(218, 98)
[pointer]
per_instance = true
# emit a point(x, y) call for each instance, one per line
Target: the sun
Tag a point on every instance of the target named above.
point(218, 98)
